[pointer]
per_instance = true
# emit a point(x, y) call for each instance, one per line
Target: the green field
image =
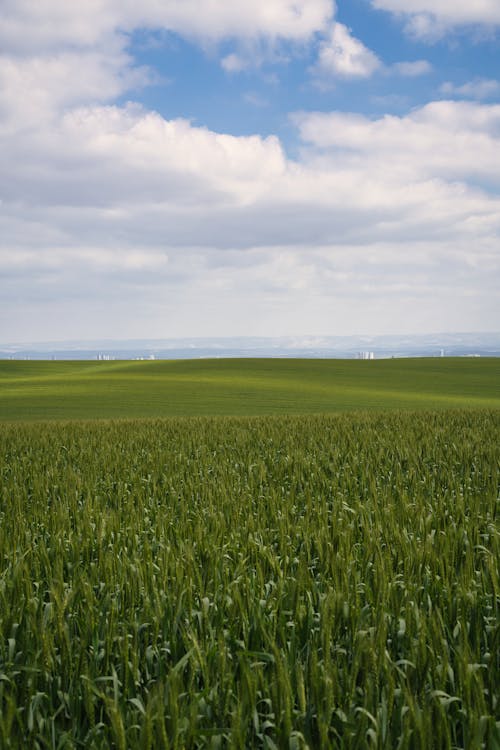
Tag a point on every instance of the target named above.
point(284, 582)
point(244, 554)
point(93, 390)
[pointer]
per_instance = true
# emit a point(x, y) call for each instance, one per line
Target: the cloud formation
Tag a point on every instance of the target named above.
point(446, 139)
point(45, 45)
point(341, 54)
point(432, 18)
point(479, 88)
point(109, 207)
point(32, 26)
point(120, 195)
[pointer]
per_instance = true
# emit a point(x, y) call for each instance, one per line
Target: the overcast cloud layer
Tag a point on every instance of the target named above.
point(121, 222)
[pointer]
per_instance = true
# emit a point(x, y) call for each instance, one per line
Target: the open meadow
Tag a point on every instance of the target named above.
point(318, 568)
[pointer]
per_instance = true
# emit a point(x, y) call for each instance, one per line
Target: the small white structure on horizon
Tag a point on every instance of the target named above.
point(366, 355)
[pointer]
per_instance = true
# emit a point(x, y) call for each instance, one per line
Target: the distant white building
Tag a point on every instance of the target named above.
point(366, 355)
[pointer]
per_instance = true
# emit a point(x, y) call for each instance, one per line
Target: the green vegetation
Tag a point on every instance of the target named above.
point(94, 390)
point(321, 581)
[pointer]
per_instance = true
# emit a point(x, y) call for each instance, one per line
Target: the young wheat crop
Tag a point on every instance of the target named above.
point(251, 582)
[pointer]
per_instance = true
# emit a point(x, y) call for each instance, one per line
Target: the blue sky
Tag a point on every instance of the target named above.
point(259, 99)
point(282, 167)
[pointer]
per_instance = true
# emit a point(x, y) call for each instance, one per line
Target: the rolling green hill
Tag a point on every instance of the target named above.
point(127, 389)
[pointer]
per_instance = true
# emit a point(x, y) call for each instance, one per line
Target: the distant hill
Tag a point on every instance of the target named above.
point(336, 347)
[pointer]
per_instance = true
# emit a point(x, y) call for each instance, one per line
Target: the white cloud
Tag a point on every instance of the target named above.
point(48, 43)
point(234, 63)
point(447, 140)
point(413, 69)
point(341, 54)
point(109, 209)
point(479, 88)
point(38, 25)
point(36, 88)
point(120, 207)
point(432, 18)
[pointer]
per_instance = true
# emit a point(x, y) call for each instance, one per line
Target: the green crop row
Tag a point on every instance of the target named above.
point(251, 582)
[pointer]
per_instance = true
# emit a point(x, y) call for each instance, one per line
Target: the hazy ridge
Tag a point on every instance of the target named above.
point(484, 344)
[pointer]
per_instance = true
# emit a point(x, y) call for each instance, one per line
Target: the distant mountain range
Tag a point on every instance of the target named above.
point(341, 347)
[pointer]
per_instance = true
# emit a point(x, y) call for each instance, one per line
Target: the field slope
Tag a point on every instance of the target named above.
point(242, 387)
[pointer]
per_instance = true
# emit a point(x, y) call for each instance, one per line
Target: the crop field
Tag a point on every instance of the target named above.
point(237, 387)
point(281, 582)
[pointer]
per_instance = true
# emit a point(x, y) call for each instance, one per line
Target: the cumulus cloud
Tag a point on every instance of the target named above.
point(341, 54)
point(430, 19)
point(47, 44)
point(447, 139)
point(130, 161)
point(108, 208)
point(118, 204)
point(38, 25)
point(33, 89)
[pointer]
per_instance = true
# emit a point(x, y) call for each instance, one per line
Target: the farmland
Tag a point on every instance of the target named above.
point(96, 390)
point(286, 581)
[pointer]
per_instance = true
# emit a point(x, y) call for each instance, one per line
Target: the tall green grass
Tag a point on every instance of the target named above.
point(251, 583)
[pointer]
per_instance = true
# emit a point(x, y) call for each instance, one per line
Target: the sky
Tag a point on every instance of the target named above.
point(192, 168)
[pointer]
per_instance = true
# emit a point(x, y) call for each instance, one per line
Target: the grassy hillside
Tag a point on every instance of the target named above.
point(72, 390)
